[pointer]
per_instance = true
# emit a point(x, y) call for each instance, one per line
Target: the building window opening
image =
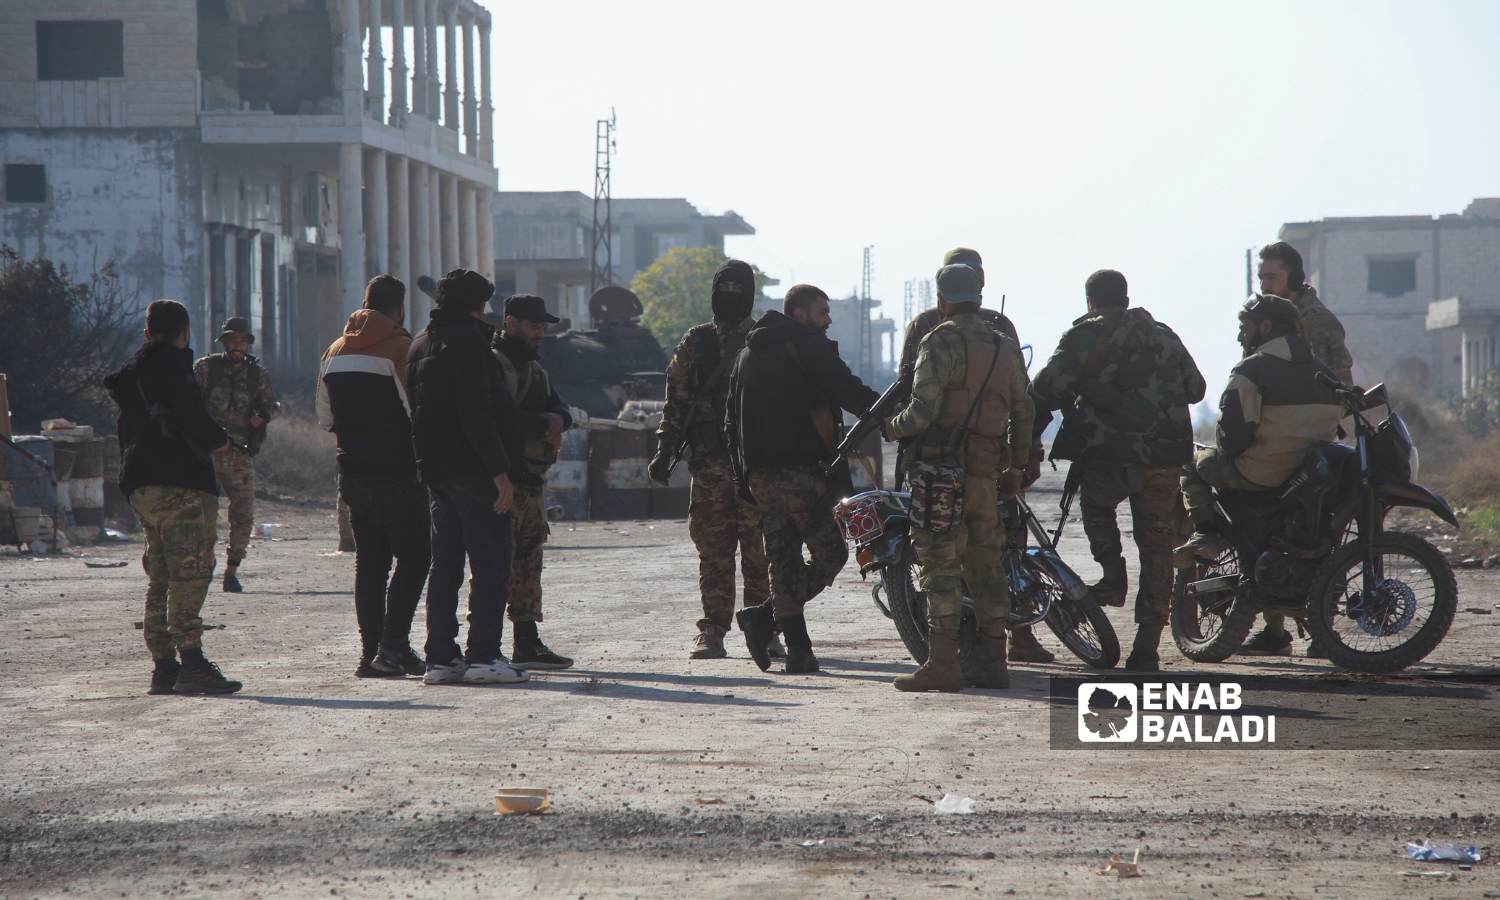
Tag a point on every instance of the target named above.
point(25, 183)
point(80, 51)
point(1392, 277)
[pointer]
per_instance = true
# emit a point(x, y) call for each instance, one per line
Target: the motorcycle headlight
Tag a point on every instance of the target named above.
point(858, 519)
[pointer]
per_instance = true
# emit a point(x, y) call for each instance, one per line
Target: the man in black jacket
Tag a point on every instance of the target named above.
point(467, 446)
point(361, 398)
point(166, 472)
point(780, 425)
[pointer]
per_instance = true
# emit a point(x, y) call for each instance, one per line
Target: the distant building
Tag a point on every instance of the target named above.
point(1419, 296)
point(544, 241)
point(253, 158)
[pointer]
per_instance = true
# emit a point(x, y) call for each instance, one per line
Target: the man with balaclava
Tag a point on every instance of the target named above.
point(719, 520)
point(1024, 647)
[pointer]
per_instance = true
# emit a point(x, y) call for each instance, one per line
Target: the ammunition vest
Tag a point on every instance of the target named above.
point(974, 416)
point(521, 381)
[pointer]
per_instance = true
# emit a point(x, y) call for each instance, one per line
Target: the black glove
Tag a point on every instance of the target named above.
point(657, 469)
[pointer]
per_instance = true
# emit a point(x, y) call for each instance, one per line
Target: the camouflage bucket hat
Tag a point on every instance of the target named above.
point(236, 325)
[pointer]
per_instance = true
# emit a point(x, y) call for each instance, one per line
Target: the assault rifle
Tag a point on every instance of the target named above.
point(867, 423)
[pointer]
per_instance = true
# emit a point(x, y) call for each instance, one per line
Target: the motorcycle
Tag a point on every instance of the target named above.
point(1042, 587)
point(1316, 549)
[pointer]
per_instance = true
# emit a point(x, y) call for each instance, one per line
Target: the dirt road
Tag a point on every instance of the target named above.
point(679, 778)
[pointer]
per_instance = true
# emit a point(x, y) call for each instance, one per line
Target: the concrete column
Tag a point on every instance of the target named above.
point(450, 62)
point(470, 95)
point(468, 228)
point(398, 61)
point(378, 231)
point(434, 84)
point(351, 226)
point(353, 88)
point(486, 105)
point(419, 57)
point(451, 247)
point(421, 245)
point(439, 251)
point(377, 64)
point(485, 225)
point(400, 252)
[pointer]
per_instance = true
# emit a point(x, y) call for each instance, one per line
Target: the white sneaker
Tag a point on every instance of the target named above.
point(500, 671)
point(452, 673)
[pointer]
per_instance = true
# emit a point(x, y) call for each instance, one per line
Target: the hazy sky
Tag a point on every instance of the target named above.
point(1161, 139)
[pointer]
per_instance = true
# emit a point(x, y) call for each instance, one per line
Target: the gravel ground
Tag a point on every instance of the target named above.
point(679, 778)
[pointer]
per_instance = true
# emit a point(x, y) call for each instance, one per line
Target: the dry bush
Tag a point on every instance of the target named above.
point(297, 461)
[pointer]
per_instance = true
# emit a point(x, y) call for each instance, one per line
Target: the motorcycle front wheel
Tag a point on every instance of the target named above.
point(909, 612)
point(1395, 624)
point(1079, 622)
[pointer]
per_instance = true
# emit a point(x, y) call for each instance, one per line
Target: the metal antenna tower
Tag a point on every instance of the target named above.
point(924, 294)
point(865, 364)
point(603, 274)
point(909, 302)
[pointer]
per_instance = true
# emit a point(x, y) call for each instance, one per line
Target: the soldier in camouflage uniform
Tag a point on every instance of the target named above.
point(968, 408)
point(166, 437)
point(237, 389)
point(543, 419)
point(718, 519)
point(781, 424)
point(1024, 646)
point(1281, 274)
point(1124, 382)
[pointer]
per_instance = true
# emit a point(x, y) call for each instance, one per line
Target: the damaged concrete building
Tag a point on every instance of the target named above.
point(258, 158)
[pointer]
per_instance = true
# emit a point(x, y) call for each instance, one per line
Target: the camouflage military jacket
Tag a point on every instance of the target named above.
point(1124, 382)
point(975, 401)
point(698, 385)
point(236, 394)
point(1324, 333)
point(921, 325)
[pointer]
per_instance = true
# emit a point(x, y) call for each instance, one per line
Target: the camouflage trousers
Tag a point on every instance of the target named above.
point(796, 510)
point(720, 521)
point(1155, 518)
point(181, 526)
point(236, 473)
point(972, 554)
point(529, 531)
point(346, 526)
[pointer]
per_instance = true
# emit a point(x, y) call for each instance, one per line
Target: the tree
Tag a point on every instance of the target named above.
point(675, 291)
point(59, 338)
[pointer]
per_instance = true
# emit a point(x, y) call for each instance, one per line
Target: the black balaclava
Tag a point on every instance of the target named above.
point(733, 291)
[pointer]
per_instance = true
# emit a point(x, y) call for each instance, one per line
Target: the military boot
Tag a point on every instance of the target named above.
point(774, 649)
point(709, 644)
point(799, 652)
point(1024, 647)
point(758, 625)
point(941, 672)
point(992, 674)
point(199, 676)
point(1143, 657)
point(1206, 545)
point(232, 582)
point(528, 651)
point(1110, 589)
point(164, 676)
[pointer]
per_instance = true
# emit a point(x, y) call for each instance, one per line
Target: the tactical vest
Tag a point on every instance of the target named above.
point(977, 430)
point(540, 455)
point(218, 368)
point(711, 364)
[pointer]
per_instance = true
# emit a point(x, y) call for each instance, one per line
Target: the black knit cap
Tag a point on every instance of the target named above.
point(464, 290)
point(166, 319)
point(734, 277)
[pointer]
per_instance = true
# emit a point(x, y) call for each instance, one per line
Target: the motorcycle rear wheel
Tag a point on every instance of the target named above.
point(1082, 626)
point(909, 612)
point(1329, 617)
point(1235, 619)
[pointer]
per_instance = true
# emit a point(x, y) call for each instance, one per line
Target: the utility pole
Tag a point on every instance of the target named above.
point(1249, 284)
point(864, 362)
point(603, 274)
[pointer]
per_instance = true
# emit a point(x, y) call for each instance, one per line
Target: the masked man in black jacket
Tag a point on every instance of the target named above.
point(468, 444)
point(781, 424)
point(166, 436)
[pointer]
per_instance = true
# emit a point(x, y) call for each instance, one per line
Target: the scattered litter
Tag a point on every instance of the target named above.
point(700, 834)
point(1445, 852)
point(105, 563)
point(953, 804)
point(332, 554)
point(527, 801)
point(1421, 768)
point(1445, 876)
point(139, 626)
point(1122, 868)
point(1107, 796)
point(267, 529)
point(1479, 611)
point(876, 819)
point(818, 843)
point(109, 534)
point(624, 531)
point(1256, 894)
point(710, 801)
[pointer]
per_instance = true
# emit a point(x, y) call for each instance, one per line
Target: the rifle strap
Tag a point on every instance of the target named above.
point(955, 448)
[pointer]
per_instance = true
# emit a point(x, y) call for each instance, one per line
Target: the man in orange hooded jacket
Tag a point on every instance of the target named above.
point(361, 398)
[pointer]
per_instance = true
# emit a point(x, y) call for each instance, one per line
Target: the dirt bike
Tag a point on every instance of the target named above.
point(1316, 549)
point(1042, 587)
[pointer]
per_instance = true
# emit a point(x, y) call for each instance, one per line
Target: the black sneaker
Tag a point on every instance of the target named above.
point(531, 653)
point(370, 666)
point(232, 584)
point(404, 661)
point(759, 627)
point(205, 680)
point(1268, 643)
point(164, 676)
